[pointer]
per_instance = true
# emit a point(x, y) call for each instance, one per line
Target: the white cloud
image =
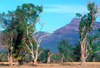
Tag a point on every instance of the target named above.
point(65, 8)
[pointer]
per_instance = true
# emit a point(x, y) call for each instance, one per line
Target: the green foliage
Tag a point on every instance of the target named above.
point(76, 52)
point(8, 23)
point(78, 15)
point(95, 48)
point(27, 15)
point(16, 23)
point(87, 20)
point(56, 57)
point(63, 46)
point(85, 27)
point(43, 56)
point(93, 58)
point(27, 58)
point(65, 49)
point(3, 56)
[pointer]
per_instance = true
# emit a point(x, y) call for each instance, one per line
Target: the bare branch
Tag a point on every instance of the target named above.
point(52, 54)
point(42, 25)
point(86, 56)
point(35, 39)
point(41, 51)
point(39, 18)
point(28, 47)
point(27, 30)
point(39, 40)
point(30, 42)
point(98, 11)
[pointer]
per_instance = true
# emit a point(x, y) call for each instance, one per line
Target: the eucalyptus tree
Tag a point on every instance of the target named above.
point(34, 40)
point(8, 35)
point(65, 50)
point(15, 25)
point(93, 45)
point(28, 14)
point(85, 27)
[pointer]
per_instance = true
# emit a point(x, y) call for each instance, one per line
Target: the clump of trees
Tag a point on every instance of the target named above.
point(20, 43)
point(19, 26)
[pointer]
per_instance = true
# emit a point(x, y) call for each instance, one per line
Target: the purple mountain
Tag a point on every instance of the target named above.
point(68, 32)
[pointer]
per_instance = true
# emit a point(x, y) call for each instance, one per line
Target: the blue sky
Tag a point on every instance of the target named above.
point(57, 13)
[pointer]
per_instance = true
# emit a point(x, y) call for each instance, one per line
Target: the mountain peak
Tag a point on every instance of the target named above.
point(69, 32)
point(75, 21)
point(72, 26)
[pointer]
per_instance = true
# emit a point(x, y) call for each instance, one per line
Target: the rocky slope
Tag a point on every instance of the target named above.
point(68, 32)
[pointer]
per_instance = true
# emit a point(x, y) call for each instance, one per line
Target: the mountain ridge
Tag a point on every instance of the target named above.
point(68, 32)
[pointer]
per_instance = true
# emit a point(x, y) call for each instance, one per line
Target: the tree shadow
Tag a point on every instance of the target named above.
point(2, 64)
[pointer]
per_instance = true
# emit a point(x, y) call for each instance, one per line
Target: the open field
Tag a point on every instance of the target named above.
point(54, 65)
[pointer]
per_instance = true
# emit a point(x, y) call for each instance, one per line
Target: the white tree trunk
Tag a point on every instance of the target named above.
point(48, 59)
point(35, 60)
point(62, 58)
point(10, 56)
point(83, 61)
point(82, 56)
point(36, 56)
point(93, 59)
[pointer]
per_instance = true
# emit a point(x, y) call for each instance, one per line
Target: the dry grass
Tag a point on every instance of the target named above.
point(54, 65)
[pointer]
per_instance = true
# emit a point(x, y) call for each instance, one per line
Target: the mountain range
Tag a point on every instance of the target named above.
point(68, 32)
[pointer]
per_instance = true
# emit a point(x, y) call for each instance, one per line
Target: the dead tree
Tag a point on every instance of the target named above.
point(49, 55)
